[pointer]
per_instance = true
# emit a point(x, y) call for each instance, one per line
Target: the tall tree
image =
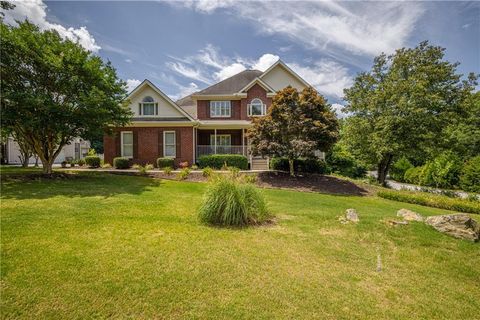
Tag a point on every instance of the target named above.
point(53, 90)
point(297, 124)
point(402, 106)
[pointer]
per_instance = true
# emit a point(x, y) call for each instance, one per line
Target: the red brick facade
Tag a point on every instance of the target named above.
point(148, 144)
point(239, 107)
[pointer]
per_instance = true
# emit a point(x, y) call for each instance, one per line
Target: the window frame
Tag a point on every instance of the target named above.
point(122, 144)
point(144, 104)
point(214, 107)
point(212, 138)
point(263, 106)
point(174, 144)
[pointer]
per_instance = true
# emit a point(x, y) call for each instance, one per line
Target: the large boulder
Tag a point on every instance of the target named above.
point(409, 215)
point(456, 225)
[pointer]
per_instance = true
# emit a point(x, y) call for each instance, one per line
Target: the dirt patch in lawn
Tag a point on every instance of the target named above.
point(310, 183)
point(41, 176)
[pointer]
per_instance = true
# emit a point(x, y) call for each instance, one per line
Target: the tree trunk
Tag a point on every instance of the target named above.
point(290, 165)
point(383, 167)
point(25, 159)
point(47, 166)
point(36, 161)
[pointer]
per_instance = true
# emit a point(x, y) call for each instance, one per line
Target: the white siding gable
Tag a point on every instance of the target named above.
point(279, 78)
point(165, 108)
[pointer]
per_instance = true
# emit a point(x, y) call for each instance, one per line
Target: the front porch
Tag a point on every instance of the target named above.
point(221, 141)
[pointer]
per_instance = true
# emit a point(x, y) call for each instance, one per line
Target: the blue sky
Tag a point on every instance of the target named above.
point(185, 46)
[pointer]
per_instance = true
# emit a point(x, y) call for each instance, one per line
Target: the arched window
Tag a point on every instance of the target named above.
point(148, 107)
point(257, 108)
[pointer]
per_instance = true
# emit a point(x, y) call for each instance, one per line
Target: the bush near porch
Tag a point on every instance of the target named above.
point(299, 165)
point(217, 161)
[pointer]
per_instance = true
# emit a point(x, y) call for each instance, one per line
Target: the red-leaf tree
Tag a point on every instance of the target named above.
point(296, 125)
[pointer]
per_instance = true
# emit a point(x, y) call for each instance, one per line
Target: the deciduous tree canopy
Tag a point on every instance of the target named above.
point(404, 104)
point(297, 124)
point(53, 90)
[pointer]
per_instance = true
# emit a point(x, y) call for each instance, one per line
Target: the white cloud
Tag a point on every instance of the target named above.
point(230, 70)
point(338, 108)
point(265, 61)
point(209, 66)
point(185, 90)
point(359, 28)
point(35, 12)
point(128, 60)
point(132, 84)
point(328, 77)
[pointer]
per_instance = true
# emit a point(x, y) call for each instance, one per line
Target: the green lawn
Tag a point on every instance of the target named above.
point(116, 246)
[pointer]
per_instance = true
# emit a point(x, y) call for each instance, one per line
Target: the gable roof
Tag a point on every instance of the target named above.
point(147, 82)
point(231, 85)
point(282, 64)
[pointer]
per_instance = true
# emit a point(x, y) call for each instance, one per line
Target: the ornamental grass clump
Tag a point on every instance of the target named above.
point(231, 202)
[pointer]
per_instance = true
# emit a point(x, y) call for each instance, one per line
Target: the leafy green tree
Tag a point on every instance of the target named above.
point(403, 105)
point(53, 90)
point(297, 124)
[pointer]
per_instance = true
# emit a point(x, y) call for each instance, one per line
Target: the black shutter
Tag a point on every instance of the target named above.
point(135, 144)
point(140, 109)
point(178, 151)
point(156, 108)
point(160, 143)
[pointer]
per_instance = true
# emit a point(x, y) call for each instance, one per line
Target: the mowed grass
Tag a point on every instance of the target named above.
point(111, 246)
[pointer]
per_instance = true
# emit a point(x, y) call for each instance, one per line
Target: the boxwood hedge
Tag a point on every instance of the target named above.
point(217, 161)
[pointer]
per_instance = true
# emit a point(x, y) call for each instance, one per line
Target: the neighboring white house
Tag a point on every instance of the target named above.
point(77, 149)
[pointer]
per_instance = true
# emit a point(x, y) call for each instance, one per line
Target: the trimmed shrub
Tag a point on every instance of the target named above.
point(341, 162)
point(413, 175)
point(299, 165)
point(432, 200)
point(165, 162)
point(442, 172)
point(229, 202)
point(121, 163)
point(470, 178)
point(81, 162)
point(92, 161)
point(207, 172)
point(183, 174)
point(217, 161)
point(397, 172)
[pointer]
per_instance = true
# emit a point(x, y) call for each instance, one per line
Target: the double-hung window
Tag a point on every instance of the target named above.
point(148, 107)
point(223, 140)
point(257, 108)
point(126, 138)
point(220, 109)
point(169, 144)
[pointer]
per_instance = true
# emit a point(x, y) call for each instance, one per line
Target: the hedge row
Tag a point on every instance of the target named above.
point(299, 165)
point(218, 161)
point(92, 161)
point(121, 163)
point(432, 200)
point(165, 163)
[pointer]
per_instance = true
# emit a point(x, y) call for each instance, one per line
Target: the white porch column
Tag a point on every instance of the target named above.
point(215, 138)
point(243, 142)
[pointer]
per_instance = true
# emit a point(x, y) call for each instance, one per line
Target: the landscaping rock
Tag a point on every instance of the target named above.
point(409, 215)
point(351, 215)
point(456, 225)
point(396, 223)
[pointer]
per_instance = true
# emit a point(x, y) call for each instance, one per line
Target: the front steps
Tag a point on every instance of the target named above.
point(259, 164)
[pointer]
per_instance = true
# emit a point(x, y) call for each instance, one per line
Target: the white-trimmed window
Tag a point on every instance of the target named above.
point(126, 141)
point(220, 109)
point(222, 140)
point(148, 107)
point(169, 144)
point(257, 108)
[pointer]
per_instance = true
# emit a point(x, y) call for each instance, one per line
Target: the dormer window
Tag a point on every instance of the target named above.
point(257, 108)
point(148, 107)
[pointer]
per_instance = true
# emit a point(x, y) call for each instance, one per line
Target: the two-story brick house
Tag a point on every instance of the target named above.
point(213, 120)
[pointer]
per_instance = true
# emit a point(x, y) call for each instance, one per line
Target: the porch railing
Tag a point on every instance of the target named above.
point(207, 150)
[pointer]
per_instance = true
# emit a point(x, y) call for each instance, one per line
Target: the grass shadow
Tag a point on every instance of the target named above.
point(73, 184)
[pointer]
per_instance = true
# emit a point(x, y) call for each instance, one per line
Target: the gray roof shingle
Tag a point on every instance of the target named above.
point(231, 85)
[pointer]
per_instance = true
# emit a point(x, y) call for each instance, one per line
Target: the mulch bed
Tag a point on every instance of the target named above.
point(310, 183)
